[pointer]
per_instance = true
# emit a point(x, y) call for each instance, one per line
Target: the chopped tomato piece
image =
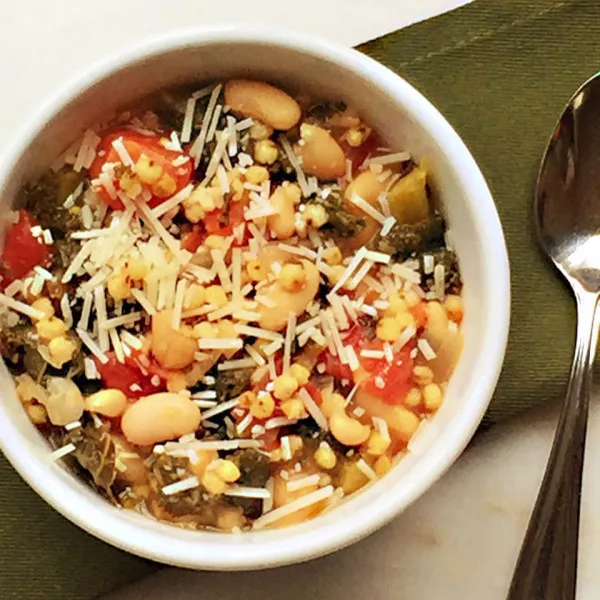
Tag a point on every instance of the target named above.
point(334, 367)
point(22, 251)
point(270, 440)
point(193, 239)
point(358, 155)
point(154, 368)
point(216, 222)
point(419, 312)
point(222, 222)
point(137, 144)
point(372, 364)
point(314, 393)
point(355, 337)
point(122, 376)
point(395, 379)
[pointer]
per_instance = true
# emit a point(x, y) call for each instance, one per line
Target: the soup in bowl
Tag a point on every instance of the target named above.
point(234, 298)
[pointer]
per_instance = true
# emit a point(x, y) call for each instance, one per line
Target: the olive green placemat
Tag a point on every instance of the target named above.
point(500, 71)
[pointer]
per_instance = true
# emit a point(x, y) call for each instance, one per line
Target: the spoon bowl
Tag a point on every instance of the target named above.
point(567, 200)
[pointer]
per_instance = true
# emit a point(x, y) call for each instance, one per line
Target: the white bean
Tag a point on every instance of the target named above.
point(284, 200)
point(321, 154)
point(284, 302)
point(160, 417)
point(262, 101)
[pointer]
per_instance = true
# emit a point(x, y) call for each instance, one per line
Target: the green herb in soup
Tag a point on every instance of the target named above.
point(230, 309)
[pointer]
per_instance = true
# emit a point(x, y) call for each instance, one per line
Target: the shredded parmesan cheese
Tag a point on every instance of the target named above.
point(13, 288)
point(353, 362)
point(173, 448)
point(313, 409)
point(92, 346)
point(335, 334)
point(181, 486)
point(119, 321)
point(382, 427)
point(173, 201)
point(426, 349)
point(367, 208)
point(178, 303)
point(243, 491)
point(388, 159)
point(242, 363)
point(428, 264)
point(117, 345)
point(295, 162)
point(21, 307)
point(356, 260)
point(212, 128)
point(366, 469)
point(439, 280)
point(387, 226)
point(292, 507)
point(303, 482)
point(213, 164)
point(143, 301)
point(255, 355)
point(188, 120)
point(404, 338)
point(131, 340)
point(60, 452)
point(264, 334)
point(378, 257)
point(299, 251)
point(220, 344)
point(100, 305)
point(220, 408)
point(120, 149)
point(221, 268)
point(78, 261)
point(198, 146)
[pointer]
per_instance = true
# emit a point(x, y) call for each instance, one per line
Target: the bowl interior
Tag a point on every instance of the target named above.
point(409, 122)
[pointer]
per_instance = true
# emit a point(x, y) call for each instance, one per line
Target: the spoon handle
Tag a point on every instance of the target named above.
point(547, 564)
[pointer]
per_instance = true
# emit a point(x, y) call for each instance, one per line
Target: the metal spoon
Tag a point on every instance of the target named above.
point(567, 214)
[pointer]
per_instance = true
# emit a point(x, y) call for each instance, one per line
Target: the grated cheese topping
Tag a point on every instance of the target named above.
point(61, 452)
point(220, 344)
point(292, 507)
point(313, 409)
point(367, 208)
point(21, 307)
point(181, 486)
point(366, 469)
point(388, 159)
point(426, 349)
point(294, 485)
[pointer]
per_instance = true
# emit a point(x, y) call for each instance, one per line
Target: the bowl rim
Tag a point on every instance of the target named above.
point(302, 546)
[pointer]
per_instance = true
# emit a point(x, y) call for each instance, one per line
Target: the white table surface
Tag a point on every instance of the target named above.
point(458, 542)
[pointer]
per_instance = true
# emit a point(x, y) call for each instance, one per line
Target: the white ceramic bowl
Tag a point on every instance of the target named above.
point(409, 121)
